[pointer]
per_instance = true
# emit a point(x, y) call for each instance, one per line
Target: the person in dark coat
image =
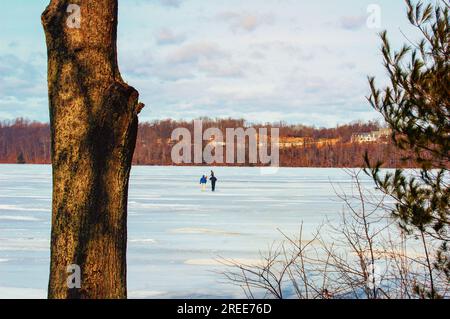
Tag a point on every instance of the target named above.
point(213, 180)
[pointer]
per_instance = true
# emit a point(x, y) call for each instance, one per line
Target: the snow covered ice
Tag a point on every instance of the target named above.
point(176, 232)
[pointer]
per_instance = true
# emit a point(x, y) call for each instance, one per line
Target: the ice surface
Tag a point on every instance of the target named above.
point(176, 232)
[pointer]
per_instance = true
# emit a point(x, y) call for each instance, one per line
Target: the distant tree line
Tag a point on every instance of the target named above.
point(23, 141)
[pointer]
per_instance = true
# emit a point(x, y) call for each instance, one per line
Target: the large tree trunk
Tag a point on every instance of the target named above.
point(93, 118)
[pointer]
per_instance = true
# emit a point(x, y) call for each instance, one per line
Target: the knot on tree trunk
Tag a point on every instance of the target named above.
point(122, 98)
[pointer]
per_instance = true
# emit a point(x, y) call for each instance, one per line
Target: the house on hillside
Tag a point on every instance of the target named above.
point(371, 137)
point(289, 142)
point(327, 142)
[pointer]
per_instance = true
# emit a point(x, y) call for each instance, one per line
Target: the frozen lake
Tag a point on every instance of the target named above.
point(176, 232)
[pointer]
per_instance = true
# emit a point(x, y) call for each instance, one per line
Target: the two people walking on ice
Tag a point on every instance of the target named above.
point(204, 181)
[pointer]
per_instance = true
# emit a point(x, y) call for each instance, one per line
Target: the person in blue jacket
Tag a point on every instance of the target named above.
point(203, 182)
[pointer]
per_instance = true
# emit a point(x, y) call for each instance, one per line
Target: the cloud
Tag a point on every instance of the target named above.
point(166, 36)
point(353, 22)
point(141, 65)
point(245, 21)
point(294, 50)
point(21, 77)
point(257, 55)
point(194, 52)
point(171, 73)
point(239, 92)
point(164, 3)
point(171, 3)
point(27, 107)
point(224, 69)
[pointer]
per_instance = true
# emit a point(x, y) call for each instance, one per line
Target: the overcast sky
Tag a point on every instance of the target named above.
point(292, 60)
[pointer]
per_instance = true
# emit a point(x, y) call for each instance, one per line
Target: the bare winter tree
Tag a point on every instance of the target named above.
point(366, 255)
point(93, 116)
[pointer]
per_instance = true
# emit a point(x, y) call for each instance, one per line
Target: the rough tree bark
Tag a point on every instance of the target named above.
point(93, 118)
